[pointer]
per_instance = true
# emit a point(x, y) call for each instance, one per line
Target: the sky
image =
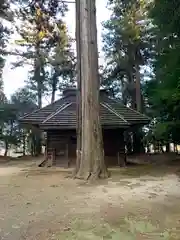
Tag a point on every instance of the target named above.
point(14, 78)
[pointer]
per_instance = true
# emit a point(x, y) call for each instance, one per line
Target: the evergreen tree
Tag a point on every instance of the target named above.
point(90, 155)
point(127, 47)
point(4, 33)
point(163, 90)
point(25, 102)
point(45, 44)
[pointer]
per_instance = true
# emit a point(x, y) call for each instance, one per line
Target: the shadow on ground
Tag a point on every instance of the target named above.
point(136, 202)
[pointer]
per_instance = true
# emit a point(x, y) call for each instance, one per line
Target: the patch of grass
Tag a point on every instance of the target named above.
point(128, 229)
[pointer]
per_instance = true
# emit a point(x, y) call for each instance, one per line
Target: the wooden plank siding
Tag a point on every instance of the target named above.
point(114, 146)
point(60, 142)
point(63, 142)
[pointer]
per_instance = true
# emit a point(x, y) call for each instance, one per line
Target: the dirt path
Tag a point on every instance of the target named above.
point(42, 204)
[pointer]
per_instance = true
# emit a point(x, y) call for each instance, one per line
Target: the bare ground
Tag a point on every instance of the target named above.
point(135, 203)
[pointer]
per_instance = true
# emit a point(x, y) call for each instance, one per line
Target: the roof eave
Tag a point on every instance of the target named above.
point(106, 126)
point(30, 122)
point(47, 127)
point(139, 122)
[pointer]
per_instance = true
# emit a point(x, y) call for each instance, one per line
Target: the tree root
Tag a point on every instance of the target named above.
point(83, 176)
point(92, 176)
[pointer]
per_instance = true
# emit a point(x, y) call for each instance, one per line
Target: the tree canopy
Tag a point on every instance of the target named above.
point(163, 90)
point(141, 48)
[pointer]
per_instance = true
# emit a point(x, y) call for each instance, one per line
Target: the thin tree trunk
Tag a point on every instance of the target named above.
point(39, 81)
point(92, 163)
point(6, 149)
point(37, 77)
point(148, 148)
point(175, 148)
point(161, 148)
point(53, 95)
point(137, 135)
point(138, 146)
point(54, 85)
point(24, 143)
point(32, 145)
point(167, 147)
point(128, 142)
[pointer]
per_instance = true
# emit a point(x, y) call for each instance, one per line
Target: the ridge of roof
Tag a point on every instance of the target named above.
point(61, 108)
point(27, 114)
point(107, 106)
point(39, 109)
point(114, 112)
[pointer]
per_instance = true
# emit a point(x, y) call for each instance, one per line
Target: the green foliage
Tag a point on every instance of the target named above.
point(24, 100)
point(163, 92)
point(43, 45)
point(11, 133)
point(127, 44)
point(47, 46)
point(8, 125)
point(4, 33)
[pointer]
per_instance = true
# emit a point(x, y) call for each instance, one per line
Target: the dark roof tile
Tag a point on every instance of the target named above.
point(62, 114)
point(67, 117)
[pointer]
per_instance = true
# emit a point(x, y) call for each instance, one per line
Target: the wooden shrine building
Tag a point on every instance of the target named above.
point(58, 121)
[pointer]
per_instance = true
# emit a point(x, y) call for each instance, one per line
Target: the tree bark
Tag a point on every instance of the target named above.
point(24, 142)
point(138, 89)
point(92, 163)
point(39, 80)
point(138, 146)
point(37, 76)
point(78, 97)
point(6, 149)
point(53, 95)
point(54, 84)
point(167, 147)
point(137, 135)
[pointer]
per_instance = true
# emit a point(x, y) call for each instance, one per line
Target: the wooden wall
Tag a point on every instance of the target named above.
point(60, 141)
point(64, 143)
point(114, 147)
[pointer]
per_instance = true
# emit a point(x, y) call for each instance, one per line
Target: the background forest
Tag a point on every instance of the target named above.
point(141, 65)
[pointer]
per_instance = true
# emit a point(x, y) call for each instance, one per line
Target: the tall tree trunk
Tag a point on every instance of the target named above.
point(138, 88)
point(32, 150)
point(92, 163)
point(54, 84)
point(138, 146)
point(78, 97)
point(39, 80)
point(137, 134)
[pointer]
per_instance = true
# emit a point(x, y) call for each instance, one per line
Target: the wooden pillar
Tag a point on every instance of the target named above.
point(67, 152)
point(121, 155)
point(128, 141)
point(46, 146)
point(51, 158)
